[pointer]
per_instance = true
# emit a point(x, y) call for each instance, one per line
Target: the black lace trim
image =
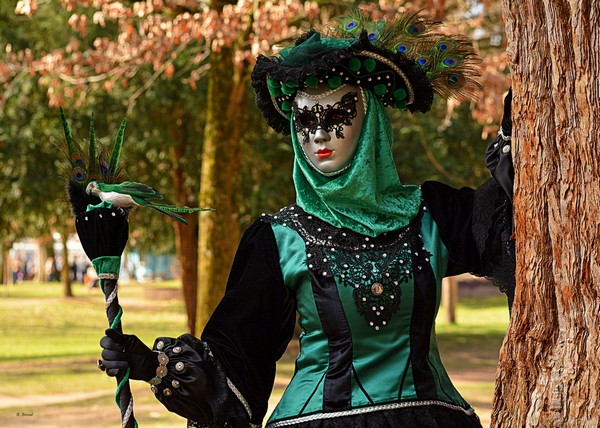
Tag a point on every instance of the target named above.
point(373, 267)
point(492, 230)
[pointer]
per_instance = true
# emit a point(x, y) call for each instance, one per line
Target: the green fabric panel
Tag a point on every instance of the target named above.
point(314, 355)
point(368, 197)
point(439, 263)
point(380, 356)
point(107, 264)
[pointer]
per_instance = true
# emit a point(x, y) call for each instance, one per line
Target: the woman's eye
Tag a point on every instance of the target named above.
point(307, 120)
point(335, 116)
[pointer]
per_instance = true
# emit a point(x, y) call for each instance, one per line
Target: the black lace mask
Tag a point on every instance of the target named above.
point(329, 118)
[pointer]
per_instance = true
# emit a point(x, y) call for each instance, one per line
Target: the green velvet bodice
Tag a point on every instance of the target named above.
point(382, 324)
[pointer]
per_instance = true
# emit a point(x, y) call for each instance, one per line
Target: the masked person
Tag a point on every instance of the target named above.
point(360, 256)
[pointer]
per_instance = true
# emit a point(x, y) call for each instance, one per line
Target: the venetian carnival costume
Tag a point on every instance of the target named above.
point(360, 257)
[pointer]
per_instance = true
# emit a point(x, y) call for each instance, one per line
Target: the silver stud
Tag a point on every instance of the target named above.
point(100, 215)
point(177, 349)
point(376, 327)
point(364, 299)
point(154, 389)
point(113, 214)
point(506, 149)
point(86, 218)
point(383, 322)
point(167, 392)
point(179, 366)
point(175, 383)
point(160, 345)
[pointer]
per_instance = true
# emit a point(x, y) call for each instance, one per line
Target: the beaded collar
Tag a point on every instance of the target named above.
point(373, 267)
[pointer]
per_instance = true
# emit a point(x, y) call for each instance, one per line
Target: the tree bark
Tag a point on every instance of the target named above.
point(549, 364)
point(220, 180)
point(65, 273)
point(186, 238)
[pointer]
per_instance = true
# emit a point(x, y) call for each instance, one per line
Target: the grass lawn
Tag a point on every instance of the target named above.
point(50, 345)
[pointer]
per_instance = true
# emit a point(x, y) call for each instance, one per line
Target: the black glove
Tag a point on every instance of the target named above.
point(498, 156)
point(121, 351)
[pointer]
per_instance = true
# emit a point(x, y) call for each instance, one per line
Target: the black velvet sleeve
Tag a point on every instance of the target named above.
point(252, 325)
point(475, 225)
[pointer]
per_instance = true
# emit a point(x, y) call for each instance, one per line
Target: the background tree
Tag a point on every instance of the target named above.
point(549, 363)
point(150, 60)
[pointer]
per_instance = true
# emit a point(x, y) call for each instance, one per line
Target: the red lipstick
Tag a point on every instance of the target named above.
point(324, 153)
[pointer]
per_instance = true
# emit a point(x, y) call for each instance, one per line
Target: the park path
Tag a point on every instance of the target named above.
point(95, 409)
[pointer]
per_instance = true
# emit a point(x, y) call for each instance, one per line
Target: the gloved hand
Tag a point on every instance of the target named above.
point(498, 156)
point(121, 351)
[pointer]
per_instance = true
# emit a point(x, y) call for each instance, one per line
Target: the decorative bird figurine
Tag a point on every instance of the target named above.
point(96, 180)
point(130, 194)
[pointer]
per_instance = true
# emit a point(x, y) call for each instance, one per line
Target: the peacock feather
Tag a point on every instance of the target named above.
point(97, 163)
point(449, 61)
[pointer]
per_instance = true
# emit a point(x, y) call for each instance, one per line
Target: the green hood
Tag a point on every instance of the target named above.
point(368, 197)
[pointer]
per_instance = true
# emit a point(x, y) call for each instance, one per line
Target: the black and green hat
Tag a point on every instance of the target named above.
point(404, 62)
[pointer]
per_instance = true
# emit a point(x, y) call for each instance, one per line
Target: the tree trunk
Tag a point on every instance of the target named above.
point(186, 238)
point(65, 273)
point(6, 266)
point(220, 180)
point(549, 364)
